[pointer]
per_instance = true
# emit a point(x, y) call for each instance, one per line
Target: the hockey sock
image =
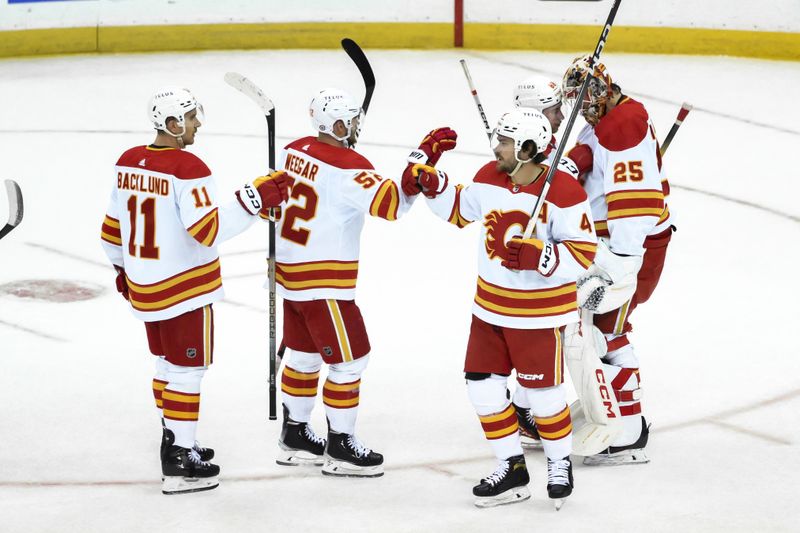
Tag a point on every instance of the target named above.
point(181, 401)
point(299, 383)
point(340, 394)
point(496, 414)
point(159, 382)
point(553, 420)
point(520, 398)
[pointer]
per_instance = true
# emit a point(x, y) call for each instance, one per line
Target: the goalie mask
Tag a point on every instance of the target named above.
point(521, 125)
point(537, 92)
point(332, 105)
point(599, 91)
point(172, 102)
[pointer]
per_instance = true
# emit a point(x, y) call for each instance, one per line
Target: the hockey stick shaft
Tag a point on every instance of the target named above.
point(15, 207)
point(601, 42)
point(271, 268)
point(360, 59)
point(477, 99)
point(682, 113)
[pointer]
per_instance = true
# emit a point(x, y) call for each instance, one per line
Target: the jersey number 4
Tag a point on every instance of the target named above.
point(296, 211)
point(147, 250)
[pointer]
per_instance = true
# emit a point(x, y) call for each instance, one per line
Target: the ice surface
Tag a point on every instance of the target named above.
point(78, 432)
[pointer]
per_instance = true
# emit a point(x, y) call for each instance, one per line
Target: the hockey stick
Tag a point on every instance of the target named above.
point(601, 42)
point(684, 110)
point(15, 207)
point(476, 98)
point(357, 55)
point(252, 91)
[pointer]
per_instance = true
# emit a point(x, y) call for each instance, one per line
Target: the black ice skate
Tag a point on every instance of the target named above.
point(629, 454)
point(346, 456)
point(168, 439)
point(508, 484)
point(299, 444)
point(185, 472)
point(529, 435)
point(559, 480)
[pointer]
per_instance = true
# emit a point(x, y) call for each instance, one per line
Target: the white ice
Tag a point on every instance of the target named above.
point(720, 366)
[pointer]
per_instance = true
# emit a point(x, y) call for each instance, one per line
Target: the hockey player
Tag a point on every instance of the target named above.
point(620, 165)
point(160, 232)
point(526, 294)
point(333, 189)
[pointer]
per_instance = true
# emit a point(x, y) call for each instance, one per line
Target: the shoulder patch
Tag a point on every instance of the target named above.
point(624, 127)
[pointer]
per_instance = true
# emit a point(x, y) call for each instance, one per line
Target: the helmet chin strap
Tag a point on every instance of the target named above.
point(520, 162)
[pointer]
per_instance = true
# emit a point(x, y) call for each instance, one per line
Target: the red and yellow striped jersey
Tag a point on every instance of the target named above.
point(625, 185)
point(162, 225)
point(523, 299)
point(319, 232)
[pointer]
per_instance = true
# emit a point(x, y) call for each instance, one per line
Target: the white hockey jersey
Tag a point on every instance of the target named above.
point(524, 299)
point(625, 185)
point(332, 190)
point(162, 225)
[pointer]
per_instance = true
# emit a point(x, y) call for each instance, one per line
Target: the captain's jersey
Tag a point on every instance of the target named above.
point(625, 185)
point(162, 225)
point(319, 233)
point(523, 299)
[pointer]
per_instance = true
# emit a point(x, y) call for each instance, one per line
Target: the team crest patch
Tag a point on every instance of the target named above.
point(327, 351)
point(191, 353)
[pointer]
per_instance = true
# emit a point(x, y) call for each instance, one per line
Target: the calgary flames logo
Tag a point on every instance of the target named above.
point(498, 225)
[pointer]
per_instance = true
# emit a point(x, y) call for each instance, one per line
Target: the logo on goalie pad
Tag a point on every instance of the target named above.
point(531, 377)
point(604, 394)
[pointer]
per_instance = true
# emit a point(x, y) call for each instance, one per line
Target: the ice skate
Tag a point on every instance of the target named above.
point(185, 472)
point(508, 484)
point(559, 480)
point(298, 444)
point(623, 455)
point(346, 456)
point(168, 439)
point(529, 436)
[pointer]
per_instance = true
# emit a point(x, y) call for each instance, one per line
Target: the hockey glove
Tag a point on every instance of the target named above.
point(121, 282)
point(531, 254)
point(609, 282)
point(265, 192)
point(437, 142)
point(433, 182)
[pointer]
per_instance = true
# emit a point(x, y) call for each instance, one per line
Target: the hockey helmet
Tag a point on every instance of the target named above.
point(537, 92)
point(599, 91)
point(332, 105)
point(523, 124)
point(175, 102)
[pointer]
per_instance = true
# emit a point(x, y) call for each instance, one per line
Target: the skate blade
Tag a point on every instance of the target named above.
point(530, 444)
point(185, 485)
point(559, 503)
point(515, 495)
point(342, 469)
point(626, 457)
point(298, 458)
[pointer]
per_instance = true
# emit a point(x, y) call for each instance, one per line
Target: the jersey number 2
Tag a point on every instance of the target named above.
point(148, 250)
point(295, 211)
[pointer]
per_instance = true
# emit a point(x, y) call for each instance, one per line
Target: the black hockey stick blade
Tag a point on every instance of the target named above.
point(15, 207)
point(357, 55)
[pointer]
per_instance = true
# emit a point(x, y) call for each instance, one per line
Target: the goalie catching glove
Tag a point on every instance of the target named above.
point(609, 282)
point(531, 254)
point(265, 192)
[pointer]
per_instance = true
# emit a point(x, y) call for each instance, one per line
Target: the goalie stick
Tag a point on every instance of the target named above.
point(15, 208)
point(360, 59)
point(252, 91)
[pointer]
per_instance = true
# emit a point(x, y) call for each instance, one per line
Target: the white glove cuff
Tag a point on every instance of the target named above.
point(249, 199)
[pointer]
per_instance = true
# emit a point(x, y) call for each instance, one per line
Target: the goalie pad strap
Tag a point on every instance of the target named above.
point(623, 376)
point(630, 410)
point(617, 343)
point(627, 395)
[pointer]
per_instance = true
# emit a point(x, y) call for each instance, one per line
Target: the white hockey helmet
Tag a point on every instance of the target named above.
point(332, 105)
point(171, 101)
point(537, 92)
point(524, 124)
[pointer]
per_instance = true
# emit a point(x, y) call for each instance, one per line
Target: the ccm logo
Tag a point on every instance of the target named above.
point(604, 394)
point(531, 377)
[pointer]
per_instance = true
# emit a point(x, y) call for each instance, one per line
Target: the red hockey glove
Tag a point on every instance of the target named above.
point(122, 282)
point(265, 192)
point(432, 181)
point(531, 254)
point(409, 182)
point(583, 158)
point(437, 142)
